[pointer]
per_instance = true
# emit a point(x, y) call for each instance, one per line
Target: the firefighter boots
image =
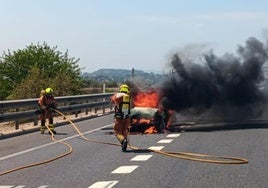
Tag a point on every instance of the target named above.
point(42, 129)
point(124, 145)
point(51, 127)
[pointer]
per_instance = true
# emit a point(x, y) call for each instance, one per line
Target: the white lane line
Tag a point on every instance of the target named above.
point(103, 184)
point(124, 169)
point(165, 141)
point(173, 135)
point(156, 147)
point(141, 158)
point(20, 186)
point(51, 143)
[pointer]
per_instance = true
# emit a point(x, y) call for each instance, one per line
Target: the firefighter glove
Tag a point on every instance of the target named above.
point(43, 107)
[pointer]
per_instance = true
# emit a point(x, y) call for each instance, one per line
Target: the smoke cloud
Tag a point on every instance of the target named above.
point(227, 83)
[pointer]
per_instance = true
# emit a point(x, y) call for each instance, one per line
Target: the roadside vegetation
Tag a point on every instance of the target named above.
point(25, 72)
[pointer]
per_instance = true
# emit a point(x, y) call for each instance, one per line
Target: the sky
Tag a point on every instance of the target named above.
point(126, 34)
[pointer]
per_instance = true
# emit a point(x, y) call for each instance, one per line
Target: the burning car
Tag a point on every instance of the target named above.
point(147, 120)
point(147, 116)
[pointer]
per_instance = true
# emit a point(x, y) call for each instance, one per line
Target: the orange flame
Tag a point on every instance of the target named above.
point(141, 121)
point(149, 99)
point(150, 130)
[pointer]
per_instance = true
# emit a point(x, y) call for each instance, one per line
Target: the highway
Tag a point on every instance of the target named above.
point(100, 165)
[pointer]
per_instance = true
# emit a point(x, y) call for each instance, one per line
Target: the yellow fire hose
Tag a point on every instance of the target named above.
point(181, 155)
point(45, 161)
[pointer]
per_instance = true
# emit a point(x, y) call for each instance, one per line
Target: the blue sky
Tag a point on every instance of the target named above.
point(140, 34)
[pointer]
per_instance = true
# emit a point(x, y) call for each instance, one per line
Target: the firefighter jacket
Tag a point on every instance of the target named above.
point(122, 105)
point(47, 102)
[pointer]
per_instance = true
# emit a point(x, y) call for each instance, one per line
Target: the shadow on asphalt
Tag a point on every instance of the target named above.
point(139, 151)
point(216, 126)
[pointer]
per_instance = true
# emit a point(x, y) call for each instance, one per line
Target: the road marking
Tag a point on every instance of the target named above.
point(19, 186)
point(156, 147)
point(129, 169)
point(124, 169)
point(173, 135)
point(165, 141)
point(141, 158)
point(12, 186)
point(103, 184)
point(49, 144)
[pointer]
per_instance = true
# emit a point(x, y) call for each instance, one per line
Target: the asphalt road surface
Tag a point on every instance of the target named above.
point(100, 165)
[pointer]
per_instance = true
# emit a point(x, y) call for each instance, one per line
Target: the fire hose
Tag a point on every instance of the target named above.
point(70, 149)
point(181, 155)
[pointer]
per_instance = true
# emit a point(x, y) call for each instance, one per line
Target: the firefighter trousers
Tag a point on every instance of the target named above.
point(121, 128)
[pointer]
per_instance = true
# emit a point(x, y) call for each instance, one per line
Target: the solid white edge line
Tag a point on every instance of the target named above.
point(49, 144)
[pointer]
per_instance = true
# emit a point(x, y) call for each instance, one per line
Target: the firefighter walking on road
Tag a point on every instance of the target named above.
point(46, 104)
point(121, 117)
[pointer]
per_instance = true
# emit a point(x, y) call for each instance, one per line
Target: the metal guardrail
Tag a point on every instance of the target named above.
point(16, 110)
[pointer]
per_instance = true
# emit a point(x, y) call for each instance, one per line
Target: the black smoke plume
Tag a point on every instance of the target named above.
point(226, 82)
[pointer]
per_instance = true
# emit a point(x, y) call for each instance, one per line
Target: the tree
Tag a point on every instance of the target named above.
point(23, 73)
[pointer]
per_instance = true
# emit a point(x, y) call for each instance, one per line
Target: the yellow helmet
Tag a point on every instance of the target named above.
point(124, 88)
point(49, 91)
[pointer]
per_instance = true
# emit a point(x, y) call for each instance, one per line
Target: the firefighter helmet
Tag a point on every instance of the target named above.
point(49, 91)
point(124, 88)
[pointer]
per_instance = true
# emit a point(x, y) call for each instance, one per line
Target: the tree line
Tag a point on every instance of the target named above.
point(25, 72)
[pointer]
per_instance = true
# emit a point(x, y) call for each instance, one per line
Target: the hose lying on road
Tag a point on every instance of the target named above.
point(70, 149)
point(181, 155)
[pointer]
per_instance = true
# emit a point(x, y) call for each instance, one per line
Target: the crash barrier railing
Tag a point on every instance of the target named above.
point(19, 110)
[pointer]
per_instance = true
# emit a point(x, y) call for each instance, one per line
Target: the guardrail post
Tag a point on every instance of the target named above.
point(35, 121)
point(103, 109)
point(86, 110)
point(96, 108)
point(17, 122)
point(63, 117)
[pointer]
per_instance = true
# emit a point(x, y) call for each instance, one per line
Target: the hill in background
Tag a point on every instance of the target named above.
point(121, 75)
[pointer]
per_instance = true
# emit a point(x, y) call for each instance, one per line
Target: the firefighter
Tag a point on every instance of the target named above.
point(46, 104)
point(121, 117)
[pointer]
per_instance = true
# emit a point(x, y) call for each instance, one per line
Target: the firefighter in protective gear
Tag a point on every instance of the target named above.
point(46, 104)
point(121, 117)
